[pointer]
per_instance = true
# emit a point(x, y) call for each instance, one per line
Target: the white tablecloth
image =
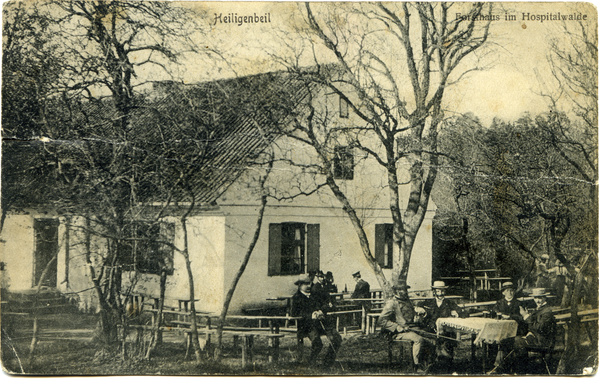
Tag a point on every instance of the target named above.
point(487, 330)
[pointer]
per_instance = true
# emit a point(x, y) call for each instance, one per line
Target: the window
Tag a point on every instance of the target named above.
point(343, 108)
point(384, 245)
point(293, 248)
point(144, 248)
point(343, 163)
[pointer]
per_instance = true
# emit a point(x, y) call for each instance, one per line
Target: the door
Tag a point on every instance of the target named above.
point(46, 248)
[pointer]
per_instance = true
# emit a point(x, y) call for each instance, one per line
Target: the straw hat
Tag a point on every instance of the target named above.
point(539, 292)
point(507, 285)
point(439, 285)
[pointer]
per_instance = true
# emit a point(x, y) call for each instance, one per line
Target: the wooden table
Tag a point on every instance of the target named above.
point(483, 331)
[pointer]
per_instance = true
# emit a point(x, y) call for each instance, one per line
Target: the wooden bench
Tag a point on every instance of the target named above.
point(247, 343)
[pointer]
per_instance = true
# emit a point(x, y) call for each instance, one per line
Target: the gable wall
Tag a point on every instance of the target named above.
point(17, 247)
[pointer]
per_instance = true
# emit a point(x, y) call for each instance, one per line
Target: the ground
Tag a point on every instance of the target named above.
point(67, 347)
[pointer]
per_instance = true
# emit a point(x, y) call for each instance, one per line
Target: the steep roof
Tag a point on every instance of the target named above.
point(238, 118)
point(217, 128)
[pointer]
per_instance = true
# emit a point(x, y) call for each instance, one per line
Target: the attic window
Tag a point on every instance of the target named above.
point(343, 108)
point(343, 163)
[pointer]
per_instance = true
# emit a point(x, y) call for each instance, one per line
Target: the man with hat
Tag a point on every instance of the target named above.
point(542, 279)
point(319, 292)
point(314, 322)
point(397, 322)
point(509, 307)
point(361, 290)
point(441, 307)
point(542, 331)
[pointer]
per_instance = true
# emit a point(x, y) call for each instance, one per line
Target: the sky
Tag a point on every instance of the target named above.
point(516, 67)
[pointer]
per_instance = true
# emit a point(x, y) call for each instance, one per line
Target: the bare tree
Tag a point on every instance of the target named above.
point(91, 52)
point(396, 94)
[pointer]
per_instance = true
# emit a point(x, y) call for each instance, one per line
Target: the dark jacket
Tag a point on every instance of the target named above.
point(542, 324)
point(362, 289)
point(443, 311)
point(321, 295)
point(397, 315)
point(513, 311)
point(303, 307)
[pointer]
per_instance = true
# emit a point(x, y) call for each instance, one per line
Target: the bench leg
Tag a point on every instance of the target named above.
point(273, 350)
point(247, 344)
point(188, 343)
point(300, 349)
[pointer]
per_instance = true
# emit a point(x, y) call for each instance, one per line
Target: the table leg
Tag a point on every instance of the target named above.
point(473, 336)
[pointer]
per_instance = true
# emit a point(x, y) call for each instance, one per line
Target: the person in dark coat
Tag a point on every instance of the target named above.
point(397, 323)
point(542, 332)
point(330, 286)
point(313, 322)
point(509, 307)
point(362, 288)
point(319, 292)
point(441, 307)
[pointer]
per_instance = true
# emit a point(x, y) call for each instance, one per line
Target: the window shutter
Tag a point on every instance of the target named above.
point(312, 247)
point(380, 242)
point(274, 249)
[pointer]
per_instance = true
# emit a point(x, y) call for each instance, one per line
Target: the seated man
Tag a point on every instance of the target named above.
point(542, 332)
point(314, 322)
point(441, 307)
point(397, 321)
point(509, 307)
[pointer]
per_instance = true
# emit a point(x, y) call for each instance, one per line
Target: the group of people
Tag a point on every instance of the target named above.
point(536, 329)
point(551, 277)
point(402, 320)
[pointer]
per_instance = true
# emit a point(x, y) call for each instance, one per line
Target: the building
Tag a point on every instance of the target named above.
point(298, 235)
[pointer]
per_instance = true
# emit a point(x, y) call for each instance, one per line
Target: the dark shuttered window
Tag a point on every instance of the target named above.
point(293, 248)
point(384, 245)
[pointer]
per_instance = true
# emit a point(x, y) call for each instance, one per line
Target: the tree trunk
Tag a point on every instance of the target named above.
point(157, 334)
point(237, 277)
point(34, 337)
point(193, 319)
point(574, 326)
point(362, 236)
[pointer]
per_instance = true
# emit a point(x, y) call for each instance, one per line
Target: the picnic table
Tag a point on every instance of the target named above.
point(483, 331)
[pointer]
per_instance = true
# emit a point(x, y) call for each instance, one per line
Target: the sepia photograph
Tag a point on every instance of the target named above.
point(299, 189)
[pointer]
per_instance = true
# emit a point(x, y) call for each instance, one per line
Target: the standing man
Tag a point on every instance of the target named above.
point(314, 322)
point(508, 308)
point(441, 307)
point(560, 274)
point(362, 290)
point(319, 292)
point(397, 322)
point(541, 272)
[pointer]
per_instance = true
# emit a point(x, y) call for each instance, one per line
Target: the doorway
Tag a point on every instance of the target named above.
point(46, 248)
